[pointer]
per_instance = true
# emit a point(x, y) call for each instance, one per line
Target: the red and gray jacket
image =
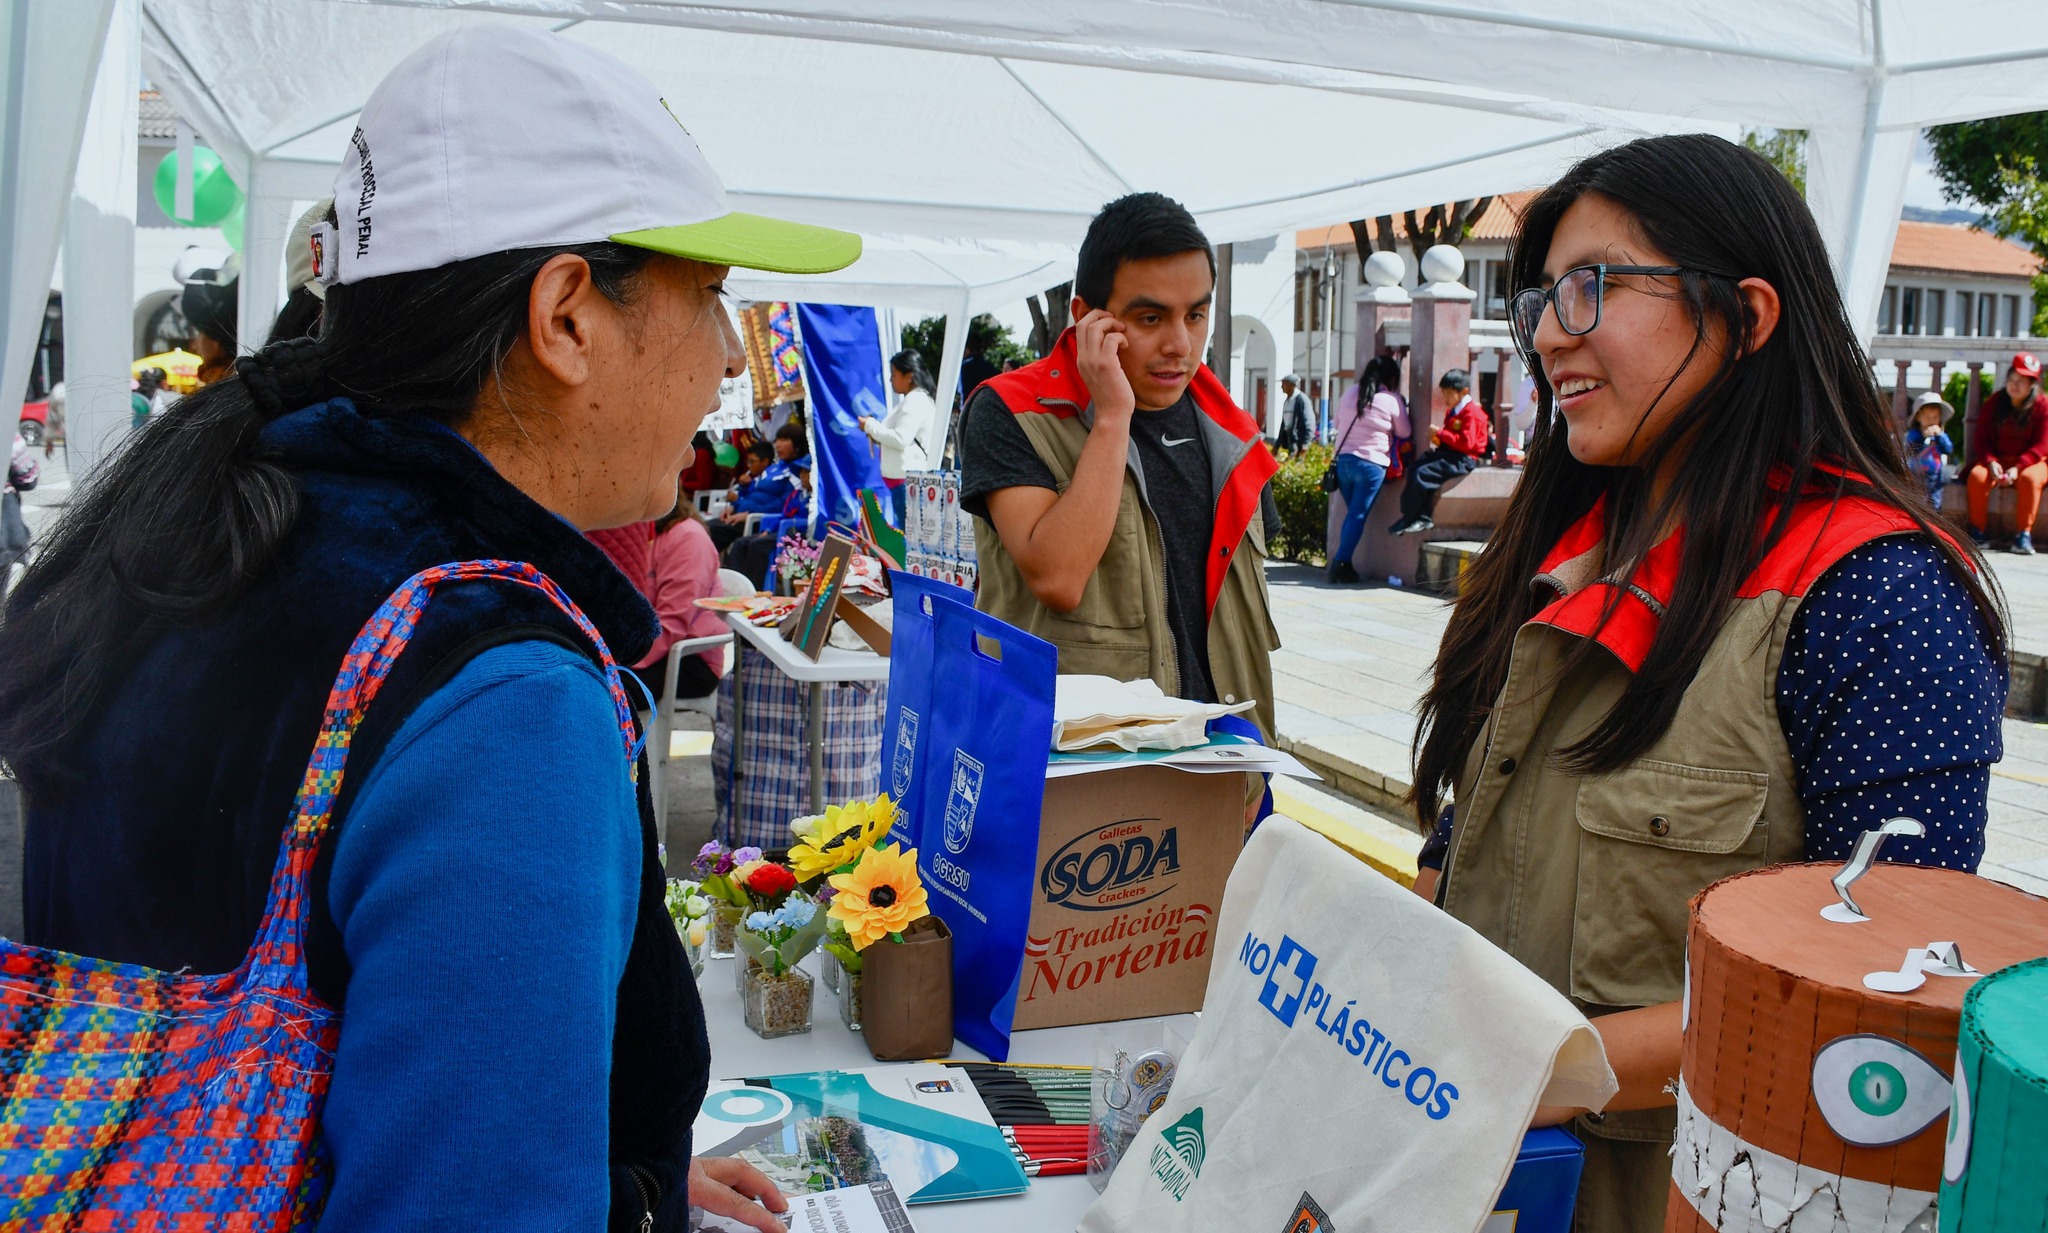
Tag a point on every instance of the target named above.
point(1119, 628)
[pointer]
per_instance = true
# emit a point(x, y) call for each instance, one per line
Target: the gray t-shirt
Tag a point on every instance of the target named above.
point(995, 454)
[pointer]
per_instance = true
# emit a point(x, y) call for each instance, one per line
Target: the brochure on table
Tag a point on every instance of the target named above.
point(921, 1126)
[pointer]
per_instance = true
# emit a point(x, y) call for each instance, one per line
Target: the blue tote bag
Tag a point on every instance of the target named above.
point(910, 690)
point(980, 784)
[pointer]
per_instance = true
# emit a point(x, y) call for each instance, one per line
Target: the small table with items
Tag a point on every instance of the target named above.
point(1052, 1203)
point(833, 666)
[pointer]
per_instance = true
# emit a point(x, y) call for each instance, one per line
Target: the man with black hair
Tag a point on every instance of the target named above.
point(1119, 494)
point(1455, 449)
point(1294, 433)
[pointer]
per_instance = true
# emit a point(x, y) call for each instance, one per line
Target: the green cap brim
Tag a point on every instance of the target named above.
point(752, 242)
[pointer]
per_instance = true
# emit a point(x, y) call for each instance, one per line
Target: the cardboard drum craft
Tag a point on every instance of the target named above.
point(1820, 1039)
point(1993, 1178)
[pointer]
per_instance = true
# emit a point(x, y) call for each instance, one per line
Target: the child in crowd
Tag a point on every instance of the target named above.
point(1454, 450)
point(1927, 446)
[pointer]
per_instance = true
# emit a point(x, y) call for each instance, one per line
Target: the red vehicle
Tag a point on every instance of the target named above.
point(35, 421)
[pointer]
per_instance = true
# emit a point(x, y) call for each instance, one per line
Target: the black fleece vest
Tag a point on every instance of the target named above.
point(162, 854)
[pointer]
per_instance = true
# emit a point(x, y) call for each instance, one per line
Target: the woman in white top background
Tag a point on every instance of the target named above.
point(905, 435)
point(1369, 416)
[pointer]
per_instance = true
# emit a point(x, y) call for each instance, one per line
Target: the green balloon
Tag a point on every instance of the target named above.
point(726, 454)
point(231, 226)
point(214, 195)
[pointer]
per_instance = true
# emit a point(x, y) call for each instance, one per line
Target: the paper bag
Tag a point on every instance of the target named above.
point(1363, 1061)
point(910, 689)
point(907, 994)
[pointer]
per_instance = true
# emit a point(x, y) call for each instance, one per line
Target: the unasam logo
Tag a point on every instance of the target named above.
point(1177, 1157)
point(1309, 1217)
point(906, 754)
point(962, 799)
point(1113, 867)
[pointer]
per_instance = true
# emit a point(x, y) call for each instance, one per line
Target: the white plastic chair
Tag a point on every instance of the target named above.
point(730, 582)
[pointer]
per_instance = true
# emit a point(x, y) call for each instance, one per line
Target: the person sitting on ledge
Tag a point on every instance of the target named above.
point(1455, 449)
point(2009, 449)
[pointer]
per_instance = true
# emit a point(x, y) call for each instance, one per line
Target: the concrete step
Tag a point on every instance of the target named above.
point(1443, 563)
point(1378, 783)
point(1387, 847)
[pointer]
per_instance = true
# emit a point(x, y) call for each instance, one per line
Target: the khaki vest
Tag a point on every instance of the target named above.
point(1119, 629)
point(1586, 879)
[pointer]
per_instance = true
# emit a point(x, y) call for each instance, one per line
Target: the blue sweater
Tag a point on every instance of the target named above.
point(497, 1118)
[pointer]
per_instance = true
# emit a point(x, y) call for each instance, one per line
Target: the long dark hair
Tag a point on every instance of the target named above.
point(1798, 417)
point(911, 364)
point(1381, 372)
point(191, 511)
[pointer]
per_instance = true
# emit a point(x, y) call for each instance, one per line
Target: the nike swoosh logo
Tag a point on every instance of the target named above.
point(1171, 441)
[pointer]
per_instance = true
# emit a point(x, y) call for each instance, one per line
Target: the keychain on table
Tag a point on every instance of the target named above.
point(1144, 1090)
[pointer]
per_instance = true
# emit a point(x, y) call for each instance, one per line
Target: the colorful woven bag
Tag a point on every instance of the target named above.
point(137, 1099)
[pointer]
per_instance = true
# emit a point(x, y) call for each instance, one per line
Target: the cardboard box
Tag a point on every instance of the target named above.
point(1542, 1188)
point(1131, 868)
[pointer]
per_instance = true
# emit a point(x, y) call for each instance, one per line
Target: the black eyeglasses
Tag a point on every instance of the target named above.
point(1577, 298)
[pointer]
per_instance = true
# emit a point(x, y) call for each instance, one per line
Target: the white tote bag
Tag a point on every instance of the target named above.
point(1364, 1063)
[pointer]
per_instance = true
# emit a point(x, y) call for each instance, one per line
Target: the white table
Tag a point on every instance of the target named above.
point(1052, 1205)
point(832, 667)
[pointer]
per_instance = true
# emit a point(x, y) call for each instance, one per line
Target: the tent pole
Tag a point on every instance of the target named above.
point(266, 222)
point(99, 254)
point(951, 352)
point(1219, 312)
point(49, 55)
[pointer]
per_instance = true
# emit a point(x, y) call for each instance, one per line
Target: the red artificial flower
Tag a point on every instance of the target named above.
point(771, 879)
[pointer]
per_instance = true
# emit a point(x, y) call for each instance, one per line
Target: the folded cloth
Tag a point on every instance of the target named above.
point(1093, 711)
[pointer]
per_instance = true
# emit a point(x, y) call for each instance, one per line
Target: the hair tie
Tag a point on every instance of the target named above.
point(283, 376)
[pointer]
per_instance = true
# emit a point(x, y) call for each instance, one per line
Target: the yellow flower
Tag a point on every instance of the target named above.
point(840, 837)
point(883, 895)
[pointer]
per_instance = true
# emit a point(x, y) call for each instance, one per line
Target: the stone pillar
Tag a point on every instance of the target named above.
point(1441, 336)
point(1934, 382)
point(1901, 402)
point(1381, 299)
point(1503, 405)
point(1973, 398)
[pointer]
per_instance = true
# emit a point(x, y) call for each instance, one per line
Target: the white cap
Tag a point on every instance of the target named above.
point(496, 137)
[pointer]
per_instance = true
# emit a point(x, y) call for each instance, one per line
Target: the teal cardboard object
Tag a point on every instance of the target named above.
point(1992, 1176)
point(1544, 1184)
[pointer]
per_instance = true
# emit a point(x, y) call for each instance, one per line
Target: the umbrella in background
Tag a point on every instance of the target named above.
point(180, 365)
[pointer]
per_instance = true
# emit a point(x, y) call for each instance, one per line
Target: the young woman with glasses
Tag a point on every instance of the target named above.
point(1715, 630)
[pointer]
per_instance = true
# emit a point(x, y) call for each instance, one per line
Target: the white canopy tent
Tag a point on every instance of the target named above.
point(926, 123)
point(920, 148)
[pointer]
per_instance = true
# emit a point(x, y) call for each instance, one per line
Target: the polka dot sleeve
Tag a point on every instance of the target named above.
point(1892, 697)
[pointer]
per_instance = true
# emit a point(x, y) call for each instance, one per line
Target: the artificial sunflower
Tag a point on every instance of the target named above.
point(883, 895)
point(838, 839)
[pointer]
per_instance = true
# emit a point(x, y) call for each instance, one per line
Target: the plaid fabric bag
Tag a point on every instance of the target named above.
point(137, 1099)
point(769, 781)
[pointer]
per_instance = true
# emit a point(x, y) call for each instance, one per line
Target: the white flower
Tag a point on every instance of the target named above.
point(696, 906)
point(806, 828)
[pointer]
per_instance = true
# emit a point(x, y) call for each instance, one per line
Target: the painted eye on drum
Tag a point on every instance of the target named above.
point(1955, 1158)
point(1875, 1092)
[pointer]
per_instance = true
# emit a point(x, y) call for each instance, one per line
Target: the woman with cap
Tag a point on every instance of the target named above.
point(2009, 449)
point(518, 345)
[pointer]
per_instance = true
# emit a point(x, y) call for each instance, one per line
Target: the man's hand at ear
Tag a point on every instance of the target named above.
point(1057, 539)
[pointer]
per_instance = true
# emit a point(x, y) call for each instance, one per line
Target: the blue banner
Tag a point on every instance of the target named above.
point(843, 364)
